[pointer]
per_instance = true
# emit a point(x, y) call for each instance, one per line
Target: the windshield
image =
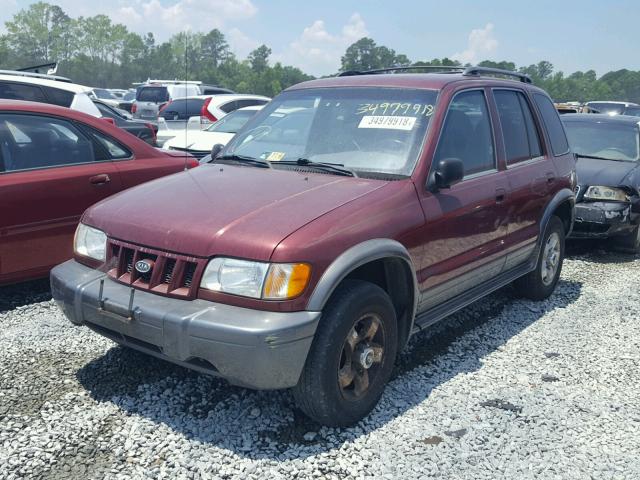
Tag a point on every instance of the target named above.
point(103, 94)
point(232, 122)
point(632, 111)
point(607, 108)
point(153, 94)
point(604, 140)
point(129, 96)
point(365, 129)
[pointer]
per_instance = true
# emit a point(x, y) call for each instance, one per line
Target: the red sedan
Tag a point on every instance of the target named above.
point(54, 164)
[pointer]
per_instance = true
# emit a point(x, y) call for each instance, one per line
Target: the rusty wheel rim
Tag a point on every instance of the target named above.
point(361, 357)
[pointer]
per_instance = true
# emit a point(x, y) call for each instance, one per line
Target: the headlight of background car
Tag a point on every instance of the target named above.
point(90, 242)
point(276, 281)
point(606, 193)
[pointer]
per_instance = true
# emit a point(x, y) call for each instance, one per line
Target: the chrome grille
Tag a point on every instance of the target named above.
point(171, 274)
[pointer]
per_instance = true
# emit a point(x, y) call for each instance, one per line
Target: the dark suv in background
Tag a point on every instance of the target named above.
point(304, 257)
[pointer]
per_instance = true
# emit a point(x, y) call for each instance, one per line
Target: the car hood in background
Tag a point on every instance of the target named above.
point(224, 209)
point(608, 173)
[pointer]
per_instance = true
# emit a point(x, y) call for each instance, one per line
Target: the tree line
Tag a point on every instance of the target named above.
point(97, 52)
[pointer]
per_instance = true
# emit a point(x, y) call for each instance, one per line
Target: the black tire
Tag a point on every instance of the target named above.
point(319, 393)
point(538, 284)
point(629, 243)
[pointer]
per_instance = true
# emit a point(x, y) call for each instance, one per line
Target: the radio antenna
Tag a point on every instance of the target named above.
point(186, 78)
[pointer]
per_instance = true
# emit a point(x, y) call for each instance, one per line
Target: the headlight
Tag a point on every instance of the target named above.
point(606, 193)
point(278, 281)
point(90, 242)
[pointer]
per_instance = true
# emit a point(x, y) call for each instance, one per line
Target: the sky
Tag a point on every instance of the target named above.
point(573, 35)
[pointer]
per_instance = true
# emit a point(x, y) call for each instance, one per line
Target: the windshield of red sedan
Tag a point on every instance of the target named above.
point(364, 129)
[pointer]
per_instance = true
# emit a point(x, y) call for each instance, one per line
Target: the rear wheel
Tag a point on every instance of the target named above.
point(629, 243)
point(352, 356)
point(541, 282)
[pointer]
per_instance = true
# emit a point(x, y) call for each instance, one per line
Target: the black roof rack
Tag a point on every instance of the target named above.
point(477, 71)
point(46, 71)
point(404, 68)
point(466, 71)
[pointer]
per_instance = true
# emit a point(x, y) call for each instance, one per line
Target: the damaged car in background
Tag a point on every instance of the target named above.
point(607, 200)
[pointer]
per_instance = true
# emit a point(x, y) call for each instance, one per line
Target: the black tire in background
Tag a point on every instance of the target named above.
point(541, 282)
point(331, 386)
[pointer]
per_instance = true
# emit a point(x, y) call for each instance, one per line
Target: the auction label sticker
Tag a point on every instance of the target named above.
point(276, 156)
point(387, 122)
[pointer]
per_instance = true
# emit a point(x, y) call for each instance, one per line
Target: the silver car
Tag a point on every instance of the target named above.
point(150, 97)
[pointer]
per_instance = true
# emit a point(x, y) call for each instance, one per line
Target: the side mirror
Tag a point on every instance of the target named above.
point(108, 120)
point(446, 173)
point(215, 150)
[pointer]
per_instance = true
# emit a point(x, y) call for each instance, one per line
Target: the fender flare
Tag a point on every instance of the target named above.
point(560, 197)
point(355, 257)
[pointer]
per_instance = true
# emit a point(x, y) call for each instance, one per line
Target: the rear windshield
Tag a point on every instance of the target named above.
point(604, 107)
point(182, 109)
point(104, 94)
point(233, 122)
point(378, 130)
point(609, 141)
point(152, 94)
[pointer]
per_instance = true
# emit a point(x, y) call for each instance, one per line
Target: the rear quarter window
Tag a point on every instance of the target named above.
point(552, 124)
point(59, 97)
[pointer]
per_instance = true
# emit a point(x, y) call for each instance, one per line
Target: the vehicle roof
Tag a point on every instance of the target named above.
point(601, 118)
point(224, 97)
point(70, 87)
point(433, 81)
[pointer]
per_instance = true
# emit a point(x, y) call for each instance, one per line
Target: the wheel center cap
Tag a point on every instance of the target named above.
point(366, 357)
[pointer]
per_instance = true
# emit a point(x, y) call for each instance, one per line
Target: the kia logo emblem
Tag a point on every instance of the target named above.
point(144, 266)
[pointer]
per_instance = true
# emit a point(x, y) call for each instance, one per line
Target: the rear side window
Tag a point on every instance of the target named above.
point(250, 102)
point(152, 94)
point(554, 128)
point(21, 91)
point(229, 106)
point(59, 97)
point(31, 142)
point(521, 139)
point(106, 148)
point(467, 133)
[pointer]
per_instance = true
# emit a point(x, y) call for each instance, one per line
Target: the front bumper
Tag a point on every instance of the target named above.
point(603, 219)
point(251, 348)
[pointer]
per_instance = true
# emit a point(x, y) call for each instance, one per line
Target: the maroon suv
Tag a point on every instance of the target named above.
point(348, 214)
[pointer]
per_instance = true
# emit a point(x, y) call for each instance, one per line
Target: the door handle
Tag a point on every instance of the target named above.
point(101, 179)
point(501, 193)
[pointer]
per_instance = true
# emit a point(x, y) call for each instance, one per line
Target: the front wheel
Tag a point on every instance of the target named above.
point(352, 356)
point(541, 282)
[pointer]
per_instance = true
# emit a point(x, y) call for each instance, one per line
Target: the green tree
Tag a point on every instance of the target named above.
point(259, 58)
point(365, 55)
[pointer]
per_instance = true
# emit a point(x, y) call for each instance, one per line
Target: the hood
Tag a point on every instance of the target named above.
point(198, 140)
point(608, 173)
point(224, 209)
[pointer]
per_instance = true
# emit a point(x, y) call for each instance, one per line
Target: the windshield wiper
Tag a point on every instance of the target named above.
point(337, 168)
point(595, 157)
point(243, 159)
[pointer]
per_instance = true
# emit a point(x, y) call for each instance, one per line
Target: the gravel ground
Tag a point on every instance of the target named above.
point(507, 388)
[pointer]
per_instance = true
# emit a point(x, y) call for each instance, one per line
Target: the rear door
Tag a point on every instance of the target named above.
point(50, 172)
point(465, 225)
point(530, 171)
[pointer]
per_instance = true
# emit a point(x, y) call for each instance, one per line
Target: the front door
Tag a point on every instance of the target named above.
point(465, 225)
